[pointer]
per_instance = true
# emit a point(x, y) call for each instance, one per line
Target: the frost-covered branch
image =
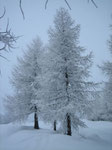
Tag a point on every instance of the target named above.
point(7, 38)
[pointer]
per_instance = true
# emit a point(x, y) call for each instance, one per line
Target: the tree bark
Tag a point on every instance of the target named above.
point(36, 123)
point(55, 125)
point(69, 132)
point(68, 119)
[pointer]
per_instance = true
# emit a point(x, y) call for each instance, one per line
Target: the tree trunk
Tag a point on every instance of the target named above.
point(68, 119)
point(55, 125)
point(36, 123)
point(69, 132)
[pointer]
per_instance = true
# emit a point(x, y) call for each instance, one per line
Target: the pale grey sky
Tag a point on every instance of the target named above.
point(93, 36)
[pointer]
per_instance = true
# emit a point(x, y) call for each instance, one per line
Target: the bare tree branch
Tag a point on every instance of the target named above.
point(7, 25)
point(46, 4)
point(4, 58)
point(3, 13)
point(93, 3)
point(64, 0)
point(20, 5)
point(67, 4)
point(3, 48)
point(7, 39)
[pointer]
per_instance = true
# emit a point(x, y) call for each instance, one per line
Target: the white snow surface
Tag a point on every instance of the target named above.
point(97, 136)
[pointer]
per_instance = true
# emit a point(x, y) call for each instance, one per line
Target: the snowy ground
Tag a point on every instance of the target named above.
point(98, 136)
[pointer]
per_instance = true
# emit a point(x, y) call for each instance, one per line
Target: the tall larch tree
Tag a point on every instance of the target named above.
point(66, 86)
point(25, 80)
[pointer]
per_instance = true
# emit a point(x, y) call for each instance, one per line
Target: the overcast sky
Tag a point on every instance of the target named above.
point(94, 33)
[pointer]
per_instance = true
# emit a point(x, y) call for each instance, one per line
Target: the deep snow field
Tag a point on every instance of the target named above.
point(97, 136)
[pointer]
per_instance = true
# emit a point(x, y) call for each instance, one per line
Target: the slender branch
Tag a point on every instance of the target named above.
point(93, 3)
point(4, 58)
point(3, 13)
point(67, 4)
point(3, 48)
point(46, 4)
point(64, 0)
point(7, 25)
point(20, 5)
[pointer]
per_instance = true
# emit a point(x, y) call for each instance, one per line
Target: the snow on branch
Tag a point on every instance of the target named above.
point(6, 38)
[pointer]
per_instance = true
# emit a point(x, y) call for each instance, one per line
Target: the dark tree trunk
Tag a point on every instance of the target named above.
point(36, 123)
point(69, 132)
point(68, 119)
point(55, 125)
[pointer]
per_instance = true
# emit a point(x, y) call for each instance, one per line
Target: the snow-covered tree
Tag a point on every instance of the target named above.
point(66, 71)
point(97, 106)
point(15, 106)
point(107, 91)
point(25, 80)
